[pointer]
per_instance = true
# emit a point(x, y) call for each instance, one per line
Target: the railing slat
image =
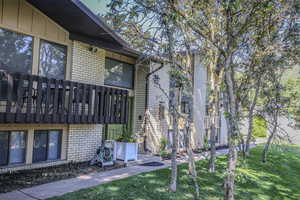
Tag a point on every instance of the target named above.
point(39, 100)
point(90, 104)
point(55, 102)
point(112, 106)
point(8, 114)
point(107, 105)
point(70, 104)
point(83, 102)
point(47, 101)
point(35, 99)
point(19, 102)
point(102, 105)
point(29, 100)
point(97, 98)
point(61, 106)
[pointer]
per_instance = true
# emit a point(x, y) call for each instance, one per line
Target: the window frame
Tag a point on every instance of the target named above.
point(41, 40)
point(133, 73)
point(8, 152)
point(32, 43)
point(47, 145)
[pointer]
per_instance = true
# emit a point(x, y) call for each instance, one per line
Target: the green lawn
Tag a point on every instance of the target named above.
point(278, 179)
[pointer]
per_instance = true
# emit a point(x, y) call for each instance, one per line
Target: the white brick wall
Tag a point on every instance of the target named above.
point(83, 141)
point(87, 67)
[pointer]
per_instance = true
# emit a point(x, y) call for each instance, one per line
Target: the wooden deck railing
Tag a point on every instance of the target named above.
point(33, 99)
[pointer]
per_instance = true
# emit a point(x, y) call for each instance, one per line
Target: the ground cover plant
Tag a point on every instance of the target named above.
point(276, 179)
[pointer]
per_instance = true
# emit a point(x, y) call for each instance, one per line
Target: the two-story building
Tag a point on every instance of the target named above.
point(67, 81)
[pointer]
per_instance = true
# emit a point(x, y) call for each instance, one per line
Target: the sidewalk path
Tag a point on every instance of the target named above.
point(59, 188)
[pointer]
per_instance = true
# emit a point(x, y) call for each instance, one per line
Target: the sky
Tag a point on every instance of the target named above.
point(97, 6)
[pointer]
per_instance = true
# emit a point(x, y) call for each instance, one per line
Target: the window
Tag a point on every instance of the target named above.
point(46, 145)
point(53, 59)
point(15, 51)
point(118, 73)
point(12, 147)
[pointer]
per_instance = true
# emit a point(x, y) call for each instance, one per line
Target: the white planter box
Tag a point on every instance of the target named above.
point(126, 151)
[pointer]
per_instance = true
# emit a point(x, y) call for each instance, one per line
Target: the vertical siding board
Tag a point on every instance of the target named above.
point(25, 17)
point(38, 24)
point(1, 11)
point(51, 30)
point(11, 13)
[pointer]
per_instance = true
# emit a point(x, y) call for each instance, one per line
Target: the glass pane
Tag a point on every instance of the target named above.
point(3, 147)
point(15, 51)
point(54, 147)
point(118, 73)
point(17, 147)
point(40, 146)
point(52, 60)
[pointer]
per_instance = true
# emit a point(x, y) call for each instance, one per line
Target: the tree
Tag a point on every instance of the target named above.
point(152, 28)
point(239, 23)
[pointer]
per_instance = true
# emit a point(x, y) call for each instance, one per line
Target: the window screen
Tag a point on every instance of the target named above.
point(4, 148)
point(53, 59)
point(12, 147)
point(47, 145)
point(17, 147)
point(118, 73)
point(15, 51)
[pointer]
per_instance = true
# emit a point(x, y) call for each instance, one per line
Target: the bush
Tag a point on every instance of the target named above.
point(259, 127)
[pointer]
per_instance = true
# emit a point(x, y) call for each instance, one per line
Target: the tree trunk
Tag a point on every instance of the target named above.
point(270, 138)
point(192, 165)
point(250, 118)
point(232, 124)
point(173, 183)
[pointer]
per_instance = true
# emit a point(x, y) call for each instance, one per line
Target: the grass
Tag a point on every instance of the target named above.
point(278, 179)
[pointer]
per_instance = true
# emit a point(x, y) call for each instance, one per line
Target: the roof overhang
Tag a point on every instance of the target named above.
point(83, 25)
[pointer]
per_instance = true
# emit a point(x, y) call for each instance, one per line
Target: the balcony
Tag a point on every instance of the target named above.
point(34, 99)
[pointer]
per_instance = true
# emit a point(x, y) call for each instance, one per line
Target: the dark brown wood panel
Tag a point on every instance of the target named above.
point(36, 99)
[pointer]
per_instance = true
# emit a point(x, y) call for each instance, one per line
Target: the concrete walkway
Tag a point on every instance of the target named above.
point(59, 188)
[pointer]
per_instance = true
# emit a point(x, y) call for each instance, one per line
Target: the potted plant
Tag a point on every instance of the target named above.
point(126, 146)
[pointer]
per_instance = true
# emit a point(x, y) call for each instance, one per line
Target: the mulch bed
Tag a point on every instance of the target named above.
point(28, 178)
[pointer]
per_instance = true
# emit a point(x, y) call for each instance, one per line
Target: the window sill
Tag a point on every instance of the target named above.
point(23, 166)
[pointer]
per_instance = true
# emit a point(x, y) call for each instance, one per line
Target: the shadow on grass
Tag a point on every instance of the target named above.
point(277, 179)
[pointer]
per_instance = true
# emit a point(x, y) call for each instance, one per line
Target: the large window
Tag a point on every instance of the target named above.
point(12, 147)
point(118, 73)
point(47, 145)
point(53, 58)
point(15, 51)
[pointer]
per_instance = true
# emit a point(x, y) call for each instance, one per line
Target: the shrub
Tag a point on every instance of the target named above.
point(259, 127)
